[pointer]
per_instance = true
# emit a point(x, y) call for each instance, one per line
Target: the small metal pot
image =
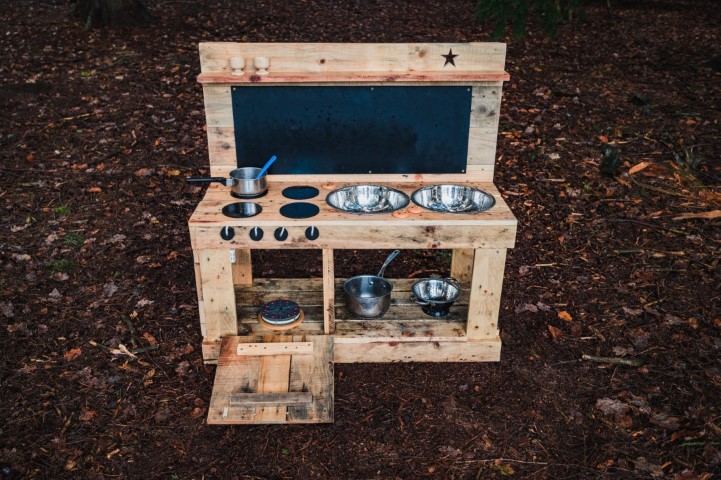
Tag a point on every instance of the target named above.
point(369, 296)
point(242, 182)
point(436, 295)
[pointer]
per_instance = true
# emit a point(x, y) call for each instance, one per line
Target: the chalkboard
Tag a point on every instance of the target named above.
point(353, 130)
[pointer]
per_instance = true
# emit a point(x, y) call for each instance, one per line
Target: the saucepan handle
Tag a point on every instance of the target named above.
point(222, 180)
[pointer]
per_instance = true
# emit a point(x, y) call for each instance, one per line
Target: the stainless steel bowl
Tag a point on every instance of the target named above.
point(367, 199)
point(436, 295)
point(453, 199)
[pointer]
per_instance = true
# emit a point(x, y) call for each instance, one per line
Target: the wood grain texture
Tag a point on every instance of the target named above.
point(485, 293)
point(462, 264)
point(218, 303)
point(242, 268)
point(493, 228)
point(328, 291)
point(251, 389)
point(356, 58)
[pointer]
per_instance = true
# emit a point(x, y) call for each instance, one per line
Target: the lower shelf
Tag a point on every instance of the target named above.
point(403, 334)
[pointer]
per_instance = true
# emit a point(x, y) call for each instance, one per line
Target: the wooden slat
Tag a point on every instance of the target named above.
point(328, 292)
point(314, 374)
point(482, 145)
point(218, 106)
point(377, 78)
point(228, 381)
point(242, 268)
point(268, 399)
point(485, 293)
point(462, 264)
point(280, 348)
point(273, 377)
point(218, 305)
point(356, 58)
point(368, 352)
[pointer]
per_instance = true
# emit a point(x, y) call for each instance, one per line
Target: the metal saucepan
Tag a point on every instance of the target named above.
point(369, 296)
point(436, 295)
point(243, 181)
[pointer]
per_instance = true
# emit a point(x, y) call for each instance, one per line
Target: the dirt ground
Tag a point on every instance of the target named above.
point(99, 128)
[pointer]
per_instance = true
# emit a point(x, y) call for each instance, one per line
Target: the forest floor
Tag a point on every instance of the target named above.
point(98, 129)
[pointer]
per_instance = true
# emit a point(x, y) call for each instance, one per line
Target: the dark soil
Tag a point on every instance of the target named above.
point(98, 128)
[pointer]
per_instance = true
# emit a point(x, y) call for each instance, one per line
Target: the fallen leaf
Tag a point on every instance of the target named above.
point(21, 257)
point(555, 332)
point(638, 167)
point(95, 190)
point(707, 215)
point(144, 303)
point(87, 415)
point(526, 307)
point(109, 289)
point(72, 354)
point(150, 339)
point(565, 316)
point(143, 172)
point(60, 276)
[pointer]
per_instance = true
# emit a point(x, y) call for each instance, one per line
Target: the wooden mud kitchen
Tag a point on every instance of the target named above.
point(378, 146)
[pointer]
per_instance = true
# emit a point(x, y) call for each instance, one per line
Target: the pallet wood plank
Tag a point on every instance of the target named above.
point(485, 293)
point(273, 377)
point(242, 267)
point(462, 264)
point(314, 374)
point(280, 348)
point(329, 294)
point(371, 352)
point(219, 310)
point(268, 399)
point(356, 58)
point(229, 381)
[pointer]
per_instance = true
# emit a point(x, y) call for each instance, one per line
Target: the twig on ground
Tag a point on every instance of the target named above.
point(629, 362)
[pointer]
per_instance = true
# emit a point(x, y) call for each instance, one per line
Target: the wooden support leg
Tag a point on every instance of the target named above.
point(242, 267)
point(328, 292)
point(485, 299)
point(218, 303)
point(462, 264)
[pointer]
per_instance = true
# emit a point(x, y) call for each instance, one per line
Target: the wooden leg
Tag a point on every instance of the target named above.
point(485, 299)
point(242, 268)
point(462, 264)
point(328, 292)
point(218, 304)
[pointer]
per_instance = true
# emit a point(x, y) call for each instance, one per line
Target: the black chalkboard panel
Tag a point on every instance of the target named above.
point(349, 130)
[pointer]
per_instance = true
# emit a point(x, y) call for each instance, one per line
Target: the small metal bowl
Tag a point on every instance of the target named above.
point(363, 199)
point(436, 295)
point(453, 199)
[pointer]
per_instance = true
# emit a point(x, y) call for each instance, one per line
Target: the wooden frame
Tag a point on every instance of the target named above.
point(228, 295)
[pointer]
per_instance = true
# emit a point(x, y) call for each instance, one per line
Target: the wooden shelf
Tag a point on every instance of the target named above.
point(251, 78)
point(404, 333)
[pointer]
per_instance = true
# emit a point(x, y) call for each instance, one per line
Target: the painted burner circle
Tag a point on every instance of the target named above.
point(301, 192)
point(242, 210)
point(299, 210)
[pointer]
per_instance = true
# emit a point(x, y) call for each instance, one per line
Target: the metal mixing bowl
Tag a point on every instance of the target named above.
point(453, 199)
point(367, 199)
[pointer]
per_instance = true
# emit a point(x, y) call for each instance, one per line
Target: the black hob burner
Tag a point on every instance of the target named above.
point(242, 210)
point(248, 197)
point(299, 210)
point(301, 192)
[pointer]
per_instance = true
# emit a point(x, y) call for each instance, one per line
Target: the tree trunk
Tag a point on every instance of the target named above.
point(98, 13)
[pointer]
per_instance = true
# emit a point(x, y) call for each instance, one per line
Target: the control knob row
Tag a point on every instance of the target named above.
point(256, 233)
